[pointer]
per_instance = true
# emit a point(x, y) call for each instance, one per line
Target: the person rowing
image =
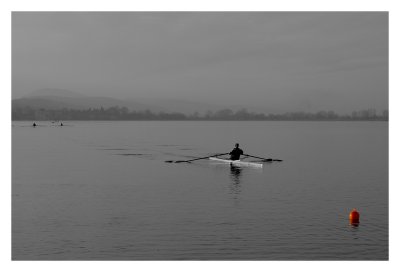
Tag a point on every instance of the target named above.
point(236, 152)
point(233, 160)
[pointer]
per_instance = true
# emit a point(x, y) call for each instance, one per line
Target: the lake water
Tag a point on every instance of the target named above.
point(103, 191)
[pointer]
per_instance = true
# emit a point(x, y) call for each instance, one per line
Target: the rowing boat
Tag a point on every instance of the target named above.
point(238, 162)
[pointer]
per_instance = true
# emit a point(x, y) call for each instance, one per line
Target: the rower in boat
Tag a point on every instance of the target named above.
point(236, 152)
point(234, 158)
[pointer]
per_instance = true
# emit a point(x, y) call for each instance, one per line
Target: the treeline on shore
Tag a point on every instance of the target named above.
point(123, 113)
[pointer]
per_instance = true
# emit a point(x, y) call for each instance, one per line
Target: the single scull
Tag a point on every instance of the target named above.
point(238, 162)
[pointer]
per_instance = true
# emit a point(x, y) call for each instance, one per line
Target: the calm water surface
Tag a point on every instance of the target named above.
point(102, 191)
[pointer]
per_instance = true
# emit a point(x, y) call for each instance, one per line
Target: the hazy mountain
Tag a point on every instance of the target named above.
point(60, 98)
point(189, 107)
point(177, 105)
point(54, 92)
point(38, 103)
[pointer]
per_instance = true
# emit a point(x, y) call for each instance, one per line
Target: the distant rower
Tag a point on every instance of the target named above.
point(236, 152)
point(34, 124)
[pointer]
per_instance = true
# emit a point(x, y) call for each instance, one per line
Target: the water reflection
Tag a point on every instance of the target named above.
point(235, 175)
point(354, 225)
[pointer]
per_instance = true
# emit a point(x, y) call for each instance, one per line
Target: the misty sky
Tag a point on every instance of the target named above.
point(275, 61)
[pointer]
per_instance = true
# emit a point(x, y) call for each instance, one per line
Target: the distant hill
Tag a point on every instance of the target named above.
point(38, 103)
point(58, 99)
point(178, 105)
point(54, 99)
point(56, 102)
point(54, 92)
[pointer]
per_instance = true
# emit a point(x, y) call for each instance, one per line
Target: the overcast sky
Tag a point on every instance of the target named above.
point(277, 61)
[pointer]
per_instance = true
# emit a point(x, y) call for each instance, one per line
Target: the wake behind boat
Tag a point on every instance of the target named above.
point(237, 162)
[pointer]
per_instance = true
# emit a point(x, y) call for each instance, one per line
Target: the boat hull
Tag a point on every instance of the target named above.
point(238, 162)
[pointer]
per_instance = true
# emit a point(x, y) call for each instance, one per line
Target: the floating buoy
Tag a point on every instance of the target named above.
point(354, 217)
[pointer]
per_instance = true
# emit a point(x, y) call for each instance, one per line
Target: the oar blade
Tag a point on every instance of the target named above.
point(263, 159)
point(267, 160)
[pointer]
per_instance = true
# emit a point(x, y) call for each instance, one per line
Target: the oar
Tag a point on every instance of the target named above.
point(264, 159)
point(198, 158)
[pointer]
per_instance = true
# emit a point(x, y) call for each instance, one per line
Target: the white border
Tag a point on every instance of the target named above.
point(204, 5)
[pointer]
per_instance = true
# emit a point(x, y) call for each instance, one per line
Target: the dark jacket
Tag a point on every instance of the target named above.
point(235, 153)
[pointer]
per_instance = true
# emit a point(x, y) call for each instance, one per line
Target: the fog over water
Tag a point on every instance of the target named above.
point(274, 61)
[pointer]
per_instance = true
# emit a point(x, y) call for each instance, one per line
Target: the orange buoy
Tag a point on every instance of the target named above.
point(354, 217)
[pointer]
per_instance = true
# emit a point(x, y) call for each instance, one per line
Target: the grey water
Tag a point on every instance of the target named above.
point(103, 191)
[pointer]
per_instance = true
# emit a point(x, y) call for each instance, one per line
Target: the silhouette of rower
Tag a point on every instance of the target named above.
point(34, 124)
point(236, 152)
point(61, 124)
